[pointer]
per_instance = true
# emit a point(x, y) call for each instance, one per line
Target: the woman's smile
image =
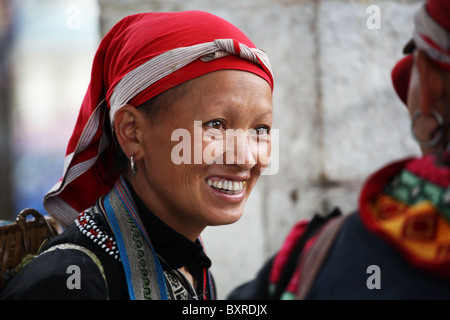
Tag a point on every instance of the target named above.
point(227, 189)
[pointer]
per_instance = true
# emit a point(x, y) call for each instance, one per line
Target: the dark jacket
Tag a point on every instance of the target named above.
point(392, 247)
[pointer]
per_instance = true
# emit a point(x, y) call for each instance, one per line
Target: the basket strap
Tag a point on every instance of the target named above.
point(311, 263)
point(29, 240)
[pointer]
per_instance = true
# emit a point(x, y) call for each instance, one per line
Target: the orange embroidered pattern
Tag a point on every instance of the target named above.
point(408, 212)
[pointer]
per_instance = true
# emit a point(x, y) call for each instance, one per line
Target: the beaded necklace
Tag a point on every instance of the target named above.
point(87, 225)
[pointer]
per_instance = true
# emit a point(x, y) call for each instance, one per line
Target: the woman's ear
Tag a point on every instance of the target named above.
point(126, 127)
point(431, 82)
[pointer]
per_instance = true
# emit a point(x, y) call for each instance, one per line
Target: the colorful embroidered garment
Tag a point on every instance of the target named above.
point(408, 204)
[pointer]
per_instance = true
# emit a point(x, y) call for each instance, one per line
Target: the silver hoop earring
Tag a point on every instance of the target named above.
point(439, 134)
point(134, 167)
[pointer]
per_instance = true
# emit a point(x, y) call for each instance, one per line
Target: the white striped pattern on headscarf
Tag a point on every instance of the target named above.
point(164, 64)
point(426, 26)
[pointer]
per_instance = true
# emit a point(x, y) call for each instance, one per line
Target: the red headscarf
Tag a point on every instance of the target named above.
point(142, 56)
point(431, 34)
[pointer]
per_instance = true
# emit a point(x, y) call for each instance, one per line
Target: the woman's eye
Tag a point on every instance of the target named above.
point(215, 124)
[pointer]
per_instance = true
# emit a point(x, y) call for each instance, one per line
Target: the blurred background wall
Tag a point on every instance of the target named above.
point(49, 56)
point(334, 106)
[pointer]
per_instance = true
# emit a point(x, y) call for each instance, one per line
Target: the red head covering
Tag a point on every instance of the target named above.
point(400, 77)
point(142, 56)
point(431, 34)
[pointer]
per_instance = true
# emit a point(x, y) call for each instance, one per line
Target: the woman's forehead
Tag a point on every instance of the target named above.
point(220, 94)
point(229, 87)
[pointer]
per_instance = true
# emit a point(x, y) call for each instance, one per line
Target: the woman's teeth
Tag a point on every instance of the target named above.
point(227, 186)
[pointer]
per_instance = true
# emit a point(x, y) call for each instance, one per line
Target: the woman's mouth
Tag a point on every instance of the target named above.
point(227, 186)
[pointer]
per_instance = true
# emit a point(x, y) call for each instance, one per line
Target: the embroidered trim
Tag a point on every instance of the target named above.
point(138, 246)
point(412, 189)
point(178, 291)
point(118, 218)
point(88, 226)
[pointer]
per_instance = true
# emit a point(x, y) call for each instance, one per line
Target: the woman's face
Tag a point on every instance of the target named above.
point(423, 126)
point(202, 146)
point(423, 94)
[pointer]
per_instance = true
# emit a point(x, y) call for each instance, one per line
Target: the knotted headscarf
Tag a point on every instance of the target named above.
point(432, 35)
point(142, 56)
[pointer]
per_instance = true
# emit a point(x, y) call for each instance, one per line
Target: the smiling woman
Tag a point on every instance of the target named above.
point(133, 216)
point(180, 193)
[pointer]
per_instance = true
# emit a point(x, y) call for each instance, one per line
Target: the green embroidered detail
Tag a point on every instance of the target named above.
point(287, 296)
point(433, 192)
point(138, 246)
point(411, 190)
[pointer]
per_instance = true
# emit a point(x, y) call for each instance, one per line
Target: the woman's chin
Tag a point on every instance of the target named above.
point(226, 218)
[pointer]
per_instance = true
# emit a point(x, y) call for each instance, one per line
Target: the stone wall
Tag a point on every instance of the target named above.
point(334, 106)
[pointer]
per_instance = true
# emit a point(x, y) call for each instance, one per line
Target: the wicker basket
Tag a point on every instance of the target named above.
point(23, 237)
